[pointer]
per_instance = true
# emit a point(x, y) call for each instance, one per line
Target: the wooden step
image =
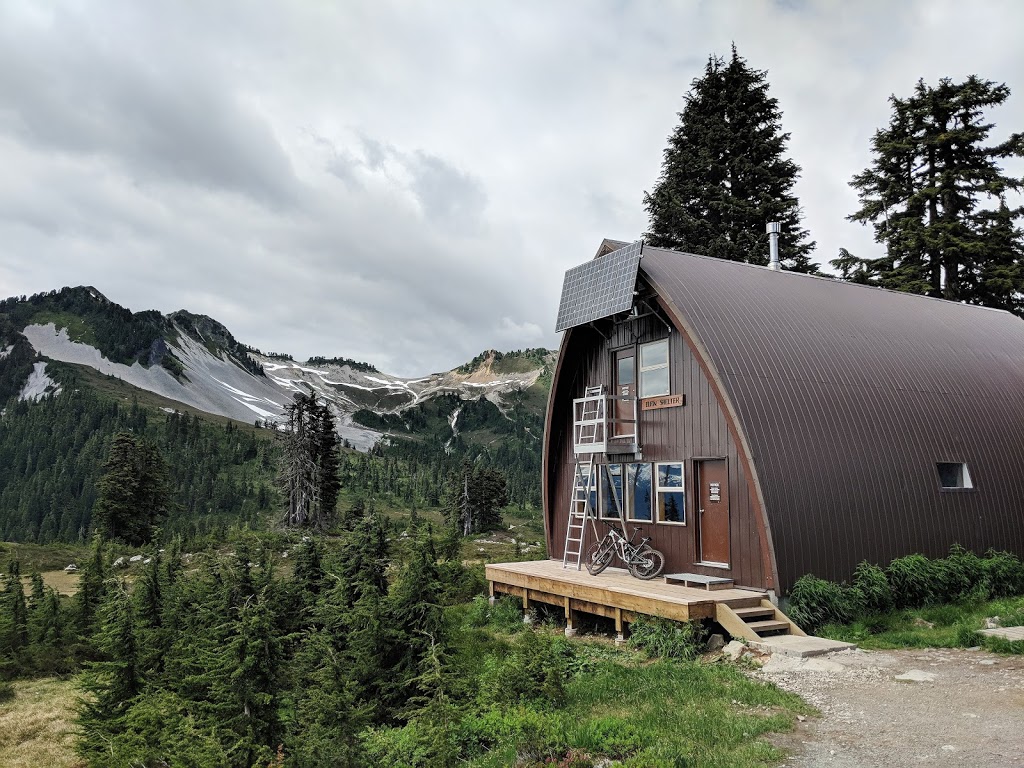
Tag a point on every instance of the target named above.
point(768, 626)
point(754, 601)
point(753, 612)
point(698, 580)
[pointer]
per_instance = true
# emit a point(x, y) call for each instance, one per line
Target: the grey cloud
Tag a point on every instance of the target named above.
point(70, 90)
point(407, 183)
point(447, 194)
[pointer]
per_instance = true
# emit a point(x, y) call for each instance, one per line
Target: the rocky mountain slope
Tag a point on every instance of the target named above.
point(194, 360)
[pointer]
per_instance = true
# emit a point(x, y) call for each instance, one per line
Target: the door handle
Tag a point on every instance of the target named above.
point(702, 510)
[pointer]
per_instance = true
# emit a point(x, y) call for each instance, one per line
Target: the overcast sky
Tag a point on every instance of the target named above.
point(406, 182)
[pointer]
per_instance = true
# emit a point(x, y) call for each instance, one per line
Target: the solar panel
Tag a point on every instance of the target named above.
point(599, 288)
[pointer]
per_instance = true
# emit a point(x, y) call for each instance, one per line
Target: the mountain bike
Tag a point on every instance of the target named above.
point(640, 558)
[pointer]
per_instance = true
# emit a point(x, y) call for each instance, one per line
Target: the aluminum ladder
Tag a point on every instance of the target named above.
point(580, 511)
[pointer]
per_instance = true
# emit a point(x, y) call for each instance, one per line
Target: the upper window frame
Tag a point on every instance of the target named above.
point(642, 369)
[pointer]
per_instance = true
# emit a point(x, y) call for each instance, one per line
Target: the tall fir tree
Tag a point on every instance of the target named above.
point(475, 498)
point(936, 196)
point(308, 474)
point(725, 174)
point(133, 492)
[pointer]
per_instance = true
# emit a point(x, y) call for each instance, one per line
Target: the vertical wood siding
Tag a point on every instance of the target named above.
point(699, 429)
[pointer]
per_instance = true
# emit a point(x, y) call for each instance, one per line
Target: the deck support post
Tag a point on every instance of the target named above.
point(490, 589)
point(620, 629)
point(570, 629)
point(527, 619)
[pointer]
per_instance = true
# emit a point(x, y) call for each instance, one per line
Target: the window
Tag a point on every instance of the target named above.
point(580, 491)
point(954, 475)
point(671, 493)
point(611, 492)
point(638, 492)
point(654, 369)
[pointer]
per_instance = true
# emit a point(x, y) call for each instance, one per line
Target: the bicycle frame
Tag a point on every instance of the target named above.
point(625, 548)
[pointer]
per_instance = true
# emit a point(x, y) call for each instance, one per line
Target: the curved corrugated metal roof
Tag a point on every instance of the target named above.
point(847, 396)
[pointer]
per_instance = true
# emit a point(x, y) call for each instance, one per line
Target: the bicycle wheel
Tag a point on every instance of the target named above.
point(598, 557)
point(646, 563)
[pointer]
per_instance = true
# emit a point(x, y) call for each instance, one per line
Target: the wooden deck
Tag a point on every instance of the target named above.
point(613, 594)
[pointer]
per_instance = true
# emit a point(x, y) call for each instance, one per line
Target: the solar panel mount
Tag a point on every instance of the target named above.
point(599, 288)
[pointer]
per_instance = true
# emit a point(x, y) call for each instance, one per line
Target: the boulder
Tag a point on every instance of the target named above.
point(716, 642)
point(734, 649)
point(993, 622)
point(70, 568)
point(120, 562)
point(135, 559)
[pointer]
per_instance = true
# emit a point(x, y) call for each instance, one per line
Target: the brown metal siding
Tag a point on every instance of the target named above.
point(847, 397)
point(697, 429)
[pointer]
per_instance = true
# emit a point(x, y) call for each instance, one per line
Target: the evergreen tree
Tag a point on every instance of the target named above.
point(475, 498)
point(309, 464)
point(16, 609)
point(91, 589)
point(114, 682)
point(133, 492)
point(936, 196)
point(725, 176)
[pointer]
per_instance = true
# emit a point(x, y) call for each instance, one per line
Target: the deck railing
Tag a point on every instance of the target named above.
point(594, 430)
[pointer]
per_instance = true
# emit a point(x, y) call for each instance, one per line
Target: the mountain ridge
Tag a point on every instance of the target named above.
point(196, 360)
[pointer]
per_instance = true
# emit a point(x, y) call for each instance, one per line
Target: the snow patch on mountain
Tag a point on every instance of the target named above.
point(215, 383)
point(5, 351)
point(39, 384)
point(210, 383)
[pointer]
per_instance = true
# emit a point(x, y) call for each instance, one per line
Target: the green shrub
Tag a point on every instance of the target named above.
point(479, 612)
point(814, 602)
point(610, 737)
point(959, 576)
point(913, 580)
point(533, 673)
point(506, 615)
point(534, 736)
point(1002, 645)
point(665, 639)
point(1004, 573)
point(870, 581)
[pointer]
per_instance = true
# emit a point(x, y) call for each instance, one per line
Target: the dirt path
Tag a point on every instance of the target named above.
point(960, 708)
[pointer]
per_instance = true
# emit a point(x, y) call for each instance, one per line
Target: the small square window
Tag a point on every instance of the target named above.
point(954, 475)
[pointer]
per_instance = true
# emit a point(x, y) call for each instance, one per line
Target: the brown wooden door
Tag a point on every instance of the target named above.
point(712, 477)
point(624, 386)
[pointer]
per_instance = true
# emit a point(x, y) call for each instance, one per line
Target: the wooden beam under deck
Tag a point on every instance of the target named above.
point(613, 594)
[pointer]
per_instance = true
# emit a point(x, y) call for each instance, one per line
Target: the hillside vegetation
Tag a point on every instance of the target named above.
point(366, 649)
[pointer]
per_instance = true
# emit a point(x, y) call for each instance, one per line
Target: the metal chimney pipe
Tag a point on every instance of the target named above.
point(773, 230)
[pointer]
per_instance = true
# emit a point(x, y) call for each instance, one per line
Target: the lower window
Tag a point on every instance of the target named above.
point(638, 492)
point(671, 492)
point(611, 492)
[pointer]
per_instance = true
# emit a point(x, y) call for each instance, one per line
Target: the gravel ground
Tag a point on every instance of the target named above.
point(959, 708)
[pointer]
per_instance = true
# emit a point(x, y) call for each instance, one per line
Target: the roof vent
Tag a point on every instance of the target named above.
point(773, 229)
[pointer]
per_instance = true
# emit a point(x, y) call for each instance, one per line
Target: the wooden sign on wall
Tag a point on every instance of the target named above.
point(664, 401)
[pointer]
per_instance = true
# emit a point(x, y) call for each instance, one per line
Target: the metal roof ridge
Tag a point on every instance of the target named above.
point(827, 278)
